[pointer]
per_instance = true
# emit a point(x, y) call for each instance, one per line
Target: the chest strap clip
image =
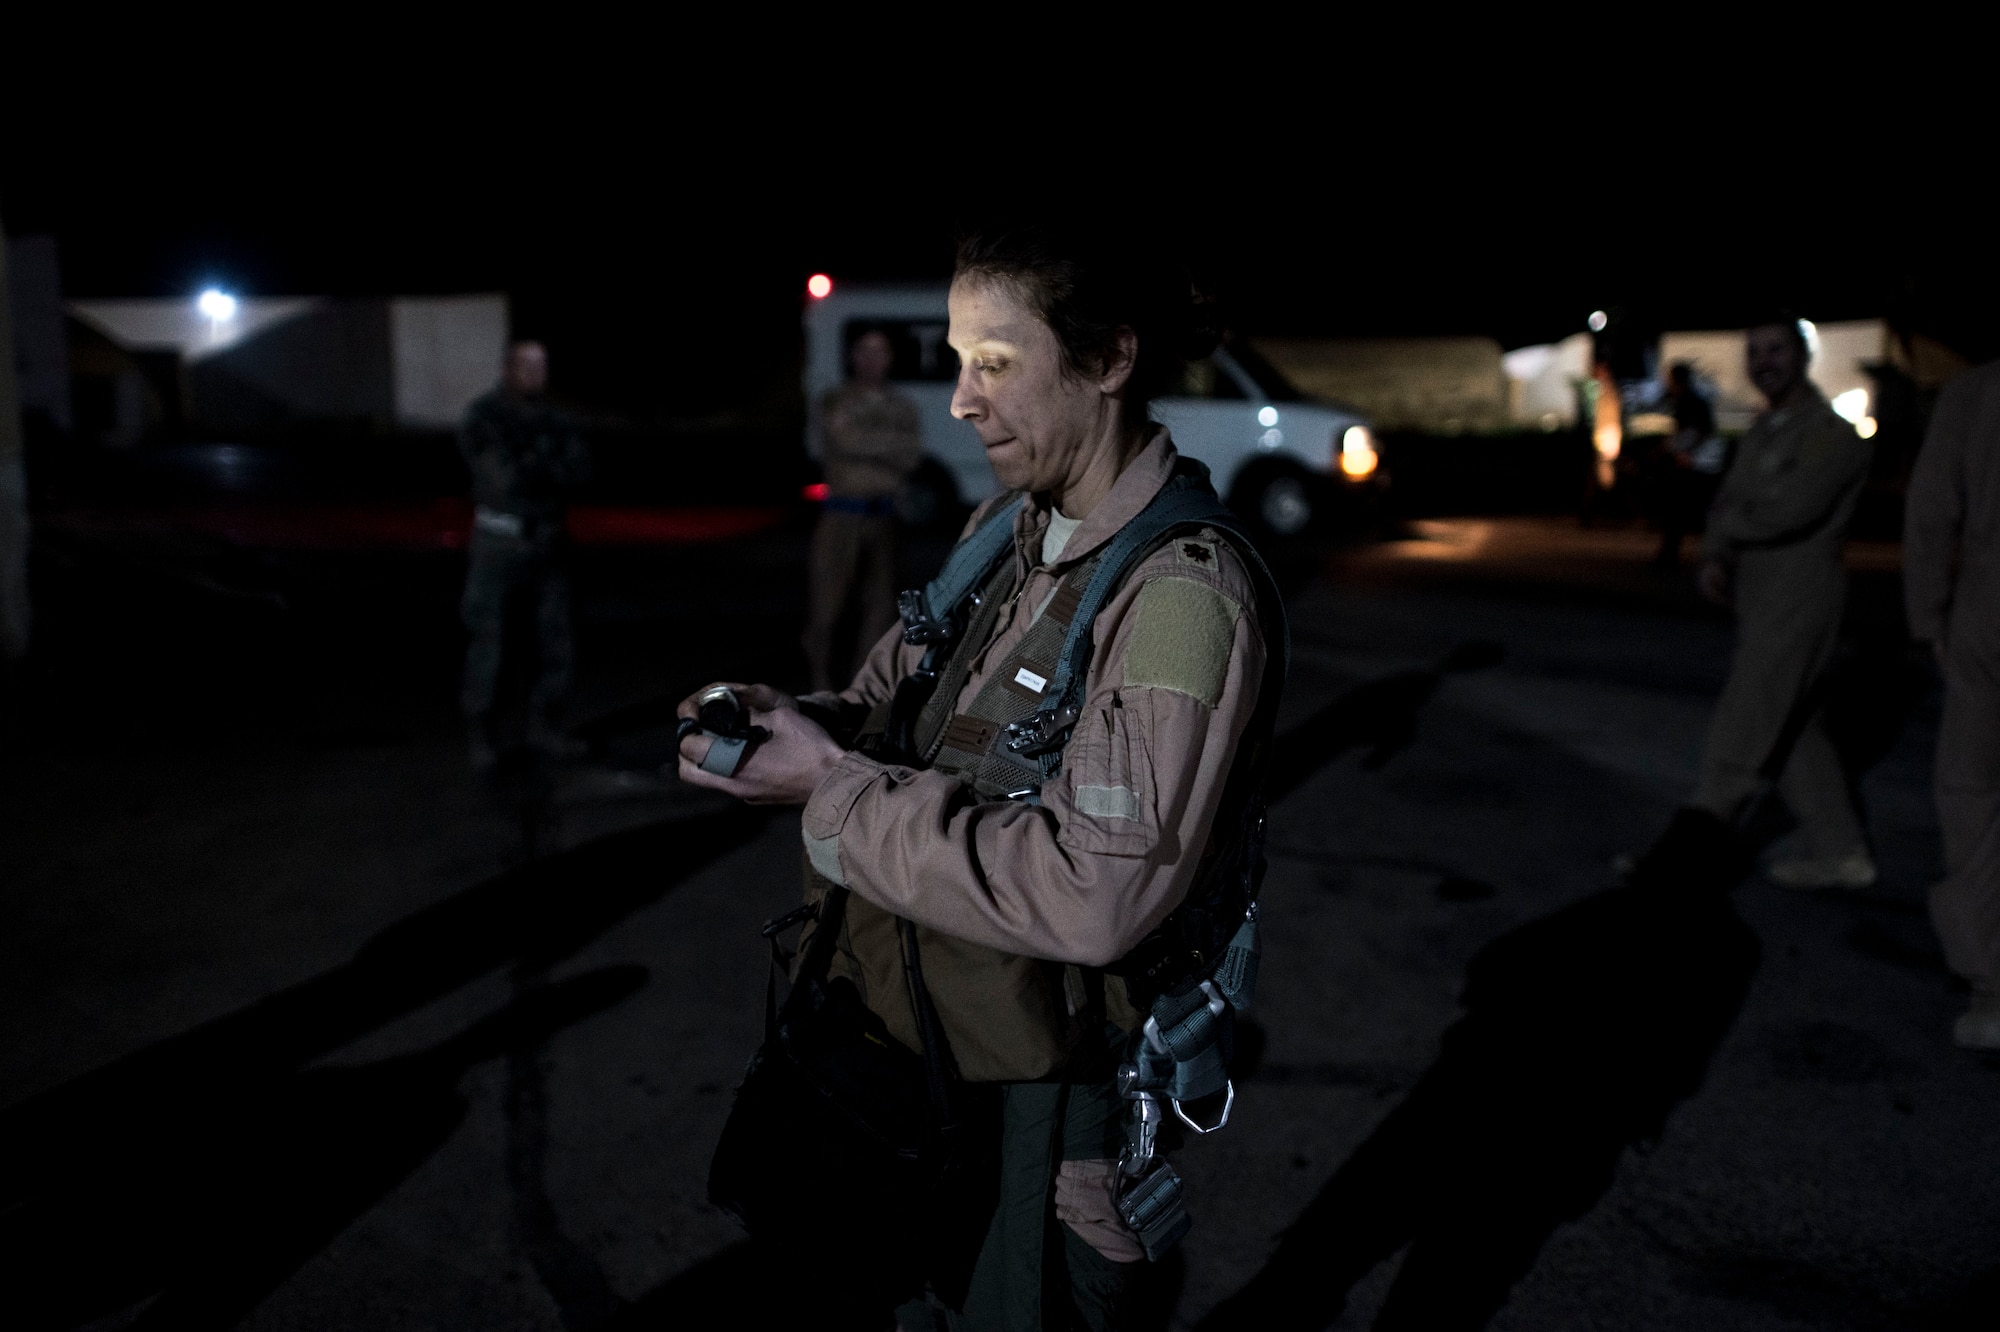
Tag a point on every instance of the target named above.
point(1040, 732)
point(920, 626)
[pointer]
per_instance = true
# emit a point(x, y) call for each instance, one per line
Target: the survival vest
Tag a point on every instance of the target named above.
point(1010, 740)
point(1018, 1018)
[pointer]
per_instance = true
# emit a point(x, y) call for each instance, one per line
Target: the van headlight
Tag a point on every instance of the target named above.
point(1358, 455)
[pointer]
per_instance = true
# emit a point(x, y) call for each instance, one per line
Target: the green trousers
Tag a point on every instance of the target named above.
point(1034, 1273)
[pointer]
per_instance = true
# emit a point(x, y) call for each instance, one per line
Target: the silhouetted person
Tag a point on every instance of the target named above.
point(13, 494)
point(526, 458)
point(1689, 464)
point(1951, 582)
point(872, 440)
point(1773, 551)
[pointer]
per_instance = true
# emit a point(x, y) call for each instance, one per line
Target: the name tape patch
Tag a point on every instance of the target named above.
point(1029, 680)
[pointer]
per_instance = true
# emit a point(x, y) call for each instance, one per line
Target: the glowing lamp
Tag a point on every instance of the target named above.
point(819, 286)
point(1852, 406)
point(815, 492)
point(1358, 456)
point(217, 306)
point(1598, 319)
point(1267, 416)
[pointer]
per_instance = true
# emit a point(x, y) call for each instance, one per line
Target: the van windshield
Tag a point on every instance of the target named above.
point(1267, 377)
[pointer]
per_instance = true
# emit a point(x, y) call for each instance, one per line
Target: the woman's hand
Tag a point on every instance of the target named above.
point(783, 770)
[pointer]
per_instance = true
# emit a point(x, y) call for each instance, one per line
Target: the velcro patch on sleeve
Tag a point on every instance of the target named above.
point(1182, 634)
point(1108, 802)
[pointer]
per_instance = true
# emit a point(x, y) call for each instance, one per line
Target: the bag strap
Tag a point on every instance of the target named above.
point(938, 1073)
point(816, 961)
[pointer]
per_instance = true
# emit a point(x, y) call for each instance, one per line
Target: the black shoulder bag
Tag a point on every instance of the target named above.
point(850, 1152)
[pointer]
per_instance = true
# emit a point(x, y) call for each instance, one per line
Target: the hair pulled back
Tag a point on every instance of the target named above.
point(1086, 282)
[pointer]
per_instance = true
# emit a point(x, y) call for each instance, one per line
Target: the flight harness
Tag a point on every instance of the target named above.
point(1199, 968)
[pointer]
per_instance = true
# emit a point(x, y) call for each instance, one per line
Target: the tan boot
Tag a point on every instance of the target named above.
point(1853, 871)
point(1978, 1028)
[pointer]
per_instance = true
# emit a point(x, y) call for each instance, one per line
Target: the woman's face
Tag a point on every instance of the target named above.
point(1037, 422)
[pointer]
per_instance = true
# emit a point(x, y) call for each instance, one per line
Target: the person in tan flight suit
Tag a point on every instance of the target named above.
point(1773, 551)
point(872, 441)
point(13, 496)
point(1019, 903)
point(1951, 588)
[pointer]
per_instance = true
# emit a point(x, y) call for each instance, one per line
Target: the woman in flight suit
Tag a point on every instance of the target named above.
point(1018, 904)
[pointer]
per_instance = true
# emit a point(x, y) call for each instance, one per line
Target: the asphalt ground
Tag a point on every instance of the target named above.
point(304, 1027)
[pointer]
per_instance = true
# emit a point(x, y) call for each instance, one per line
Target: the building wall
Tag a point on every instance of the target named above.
point(329, 364)
point(1717, 355)
point(373, 364)
point(446, 351)
point(1438, 385)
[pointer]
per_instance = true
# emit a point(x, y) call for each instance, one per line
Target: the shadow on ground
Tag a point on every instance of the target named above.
point(198, 1173)
point(1581, 1033)
point(1379, 717)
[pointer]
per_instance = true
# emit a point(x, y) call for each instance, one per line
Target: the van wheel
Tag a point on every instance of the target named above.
point(1279, 500)
point(929, 499)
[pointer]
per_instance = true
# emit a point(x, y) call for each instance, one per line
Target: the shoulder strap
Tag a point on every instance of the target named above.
point(1188, 500)
point(930, 613)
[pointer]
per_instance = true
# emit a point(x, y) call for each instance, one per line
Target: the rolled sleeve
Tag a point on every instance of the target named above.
point(827, 812)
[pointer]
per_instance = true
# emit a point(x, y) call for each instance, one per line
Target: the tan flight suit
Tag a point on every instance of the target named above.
point(13, 492)
point(1778, 522)
point(1951, 586)
point(873, 441)
point(1016, 904)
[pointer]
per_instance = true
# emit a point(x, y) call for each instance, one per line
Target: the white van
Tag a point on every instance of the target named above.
point(1278, 458)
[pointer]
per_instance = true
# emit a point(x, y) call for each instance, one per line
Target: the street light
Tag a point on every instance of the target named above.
point(219, 307)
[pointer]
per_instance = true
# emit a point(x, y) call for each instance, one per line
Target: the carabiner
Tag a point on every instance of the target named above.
point(1228, 1100)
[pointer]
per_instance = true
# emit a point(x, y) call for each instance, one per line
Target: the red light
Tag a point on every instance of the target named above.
point(819, 286)
point(814, 492)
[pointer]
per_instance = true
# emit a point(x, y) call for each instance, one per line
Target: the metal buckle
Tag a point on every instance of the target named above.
point(773, 928)
point(1040, 732)
point(919, 625)
point(1228, 1101)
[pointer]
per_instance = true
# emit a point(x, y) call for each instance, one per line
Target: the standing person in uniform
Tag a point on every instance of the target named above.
point(526, 458)
point(871, 442)
point(1025, 894)
point(1951, 587)
point(1773, 551)
point(1685, 483)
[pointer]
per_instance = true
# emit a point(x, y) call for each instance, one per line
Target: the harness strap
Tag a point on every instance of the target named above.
point(971, 744)
point(929, 614)
point(1188, 500)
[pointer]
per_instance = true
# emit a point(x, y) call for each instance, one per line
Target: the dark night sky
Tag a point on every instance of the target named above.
point(667, 263)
